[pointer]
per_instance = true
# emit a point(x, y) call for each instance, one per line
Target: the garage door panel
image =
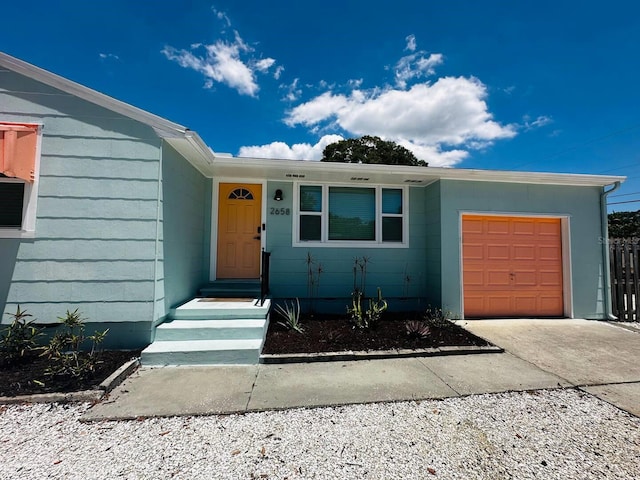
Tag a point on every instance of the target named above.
point(549, 252)
point(525, 278)
point(524, 304)
point(497, 252)
point(550, 279)
point(524, 252)
point(473, 251)
point(524, 227)
point(474, 278)
point(549, 228)
point(497, 226)
point(518, 273)
point(497, 278)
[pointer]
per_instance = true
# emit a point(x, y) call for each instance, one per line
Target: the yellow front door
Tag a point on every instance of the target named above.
point(239, 214)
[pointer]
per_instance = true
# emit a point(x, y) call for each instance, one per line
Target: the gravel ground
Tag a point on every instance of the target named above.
point(563, 434)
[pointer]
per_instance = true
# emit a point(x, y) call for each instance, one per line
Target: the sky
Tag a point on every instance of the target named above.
point(507, 85)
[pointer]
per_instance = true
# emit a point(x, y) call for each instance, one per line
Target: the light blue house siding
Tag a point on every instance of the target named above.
point(579, 204)
point(399, 272)
point(98, 242)
point(184, 232)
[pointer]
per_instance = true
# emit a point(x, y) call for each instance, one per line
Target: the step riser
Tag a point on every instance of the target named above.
point(209, 334)
point(218, 357)
point(219, 314)
point(230, 292)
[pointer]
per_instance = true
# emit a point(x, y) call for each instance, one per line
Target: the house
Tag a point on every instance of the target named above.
point(127, 216)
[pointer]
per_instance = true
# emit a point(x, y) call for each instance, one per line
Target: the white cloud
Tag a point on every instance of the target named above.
point(278, 72)
point(426, 118)
point(293, 91)
point(229, 62)
point(539, 122)
point(105, 56)
point(433, 155)
point(451, 111)
point(298, 151)
point(221, 16)
point(411, 43)
point(264, 64)
point(415, 66)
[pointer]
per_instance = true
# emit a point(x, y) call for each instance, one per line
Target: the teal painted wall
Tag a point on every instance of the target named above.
point(185, 231)
point(97, 216)
point(387, 268)
point(433, 244)
point(581, 204)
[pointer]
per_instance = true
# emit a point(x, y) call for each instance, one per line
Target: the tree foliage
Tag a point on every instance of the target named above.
point(368, 149)
point(624, 224)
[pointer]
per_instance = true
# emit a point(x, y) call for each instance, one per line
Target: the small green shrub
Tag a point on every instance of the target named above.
point(64, 348)
point(18, 339)
point(366, 318)
point(436, 317)
point(291, 316)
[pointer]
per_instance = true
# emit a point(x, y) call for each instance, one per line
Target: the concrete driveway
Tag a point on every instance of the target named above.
point(601, 358)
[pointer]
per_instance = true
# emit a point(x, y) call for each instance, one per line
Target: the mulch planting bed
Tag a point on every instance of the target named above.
point(18, 378)
point(336, 334)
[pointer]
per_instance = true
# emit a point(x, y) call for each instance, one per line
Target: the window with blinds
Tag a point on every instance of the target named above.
point(366, 215)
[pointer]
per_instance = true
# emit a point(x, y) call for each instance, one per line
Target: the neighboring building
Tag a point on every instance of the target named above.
point(125, 216)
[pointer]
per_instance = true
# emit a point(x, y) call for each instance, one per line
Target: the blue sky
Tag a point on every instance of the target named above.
point(526, 85)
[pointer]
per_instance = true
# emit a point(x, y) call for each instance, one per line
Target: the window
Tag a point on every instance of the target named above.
point(343, 215)
point(19, 150)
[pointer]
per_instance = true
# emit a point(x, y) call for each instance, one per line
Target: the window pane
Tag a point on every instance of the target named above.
point(310, 198)
point(391, 200)
point(11, 200)
point(392, 229)
point(310, 227)
point(352, 213)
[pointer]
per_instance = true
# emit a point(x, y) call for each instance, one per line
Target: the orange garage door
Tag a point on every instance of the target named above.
point(512, 266)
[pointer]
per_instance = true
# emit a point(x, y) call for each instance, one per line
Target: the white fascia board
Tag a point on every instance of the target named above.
point(315, 170)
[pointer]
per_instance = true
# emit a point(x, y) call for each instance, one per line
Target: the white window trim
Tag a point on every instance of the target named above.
point(325, 242)
point(30, 205)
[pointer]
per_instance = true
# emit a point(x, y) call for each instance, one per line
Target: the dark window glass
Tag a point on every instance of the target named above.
point(310, 227)
point(310, 198)
point(11, 202)
point(392, 229)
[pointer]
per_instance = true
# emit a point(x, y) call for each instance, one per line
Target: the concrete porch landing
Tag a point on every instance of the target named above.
point(210, 331)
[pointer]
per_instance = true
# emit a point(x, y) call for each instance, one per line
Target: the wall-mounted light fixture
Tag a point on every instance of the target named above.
point(278, 196)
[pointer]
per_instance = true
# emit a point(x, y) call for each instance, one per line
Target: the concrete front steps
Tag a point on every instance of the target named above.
point(210, 331)
point(232, 288)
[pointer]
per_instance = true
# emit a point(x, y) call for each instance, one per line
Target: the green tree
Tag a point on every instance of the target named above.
point(368, 149)
point(624, 224)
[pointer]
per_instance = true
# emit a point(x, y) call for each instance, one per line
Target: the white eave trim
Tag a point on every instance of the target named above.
point(275, 170)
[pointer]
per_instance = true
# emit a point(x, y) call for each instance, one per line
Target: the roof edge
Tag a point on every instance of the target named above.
point(435, 173)
point(162, 126)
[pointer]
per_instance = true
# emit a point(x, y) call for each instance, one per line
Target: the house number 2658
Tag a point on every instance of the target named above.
point(280, 211)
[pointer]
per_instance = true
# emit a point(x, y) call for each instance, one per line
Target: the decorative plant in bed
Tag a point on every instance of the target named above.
point(337, 333)
point(28, 365)
point(367, 325)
